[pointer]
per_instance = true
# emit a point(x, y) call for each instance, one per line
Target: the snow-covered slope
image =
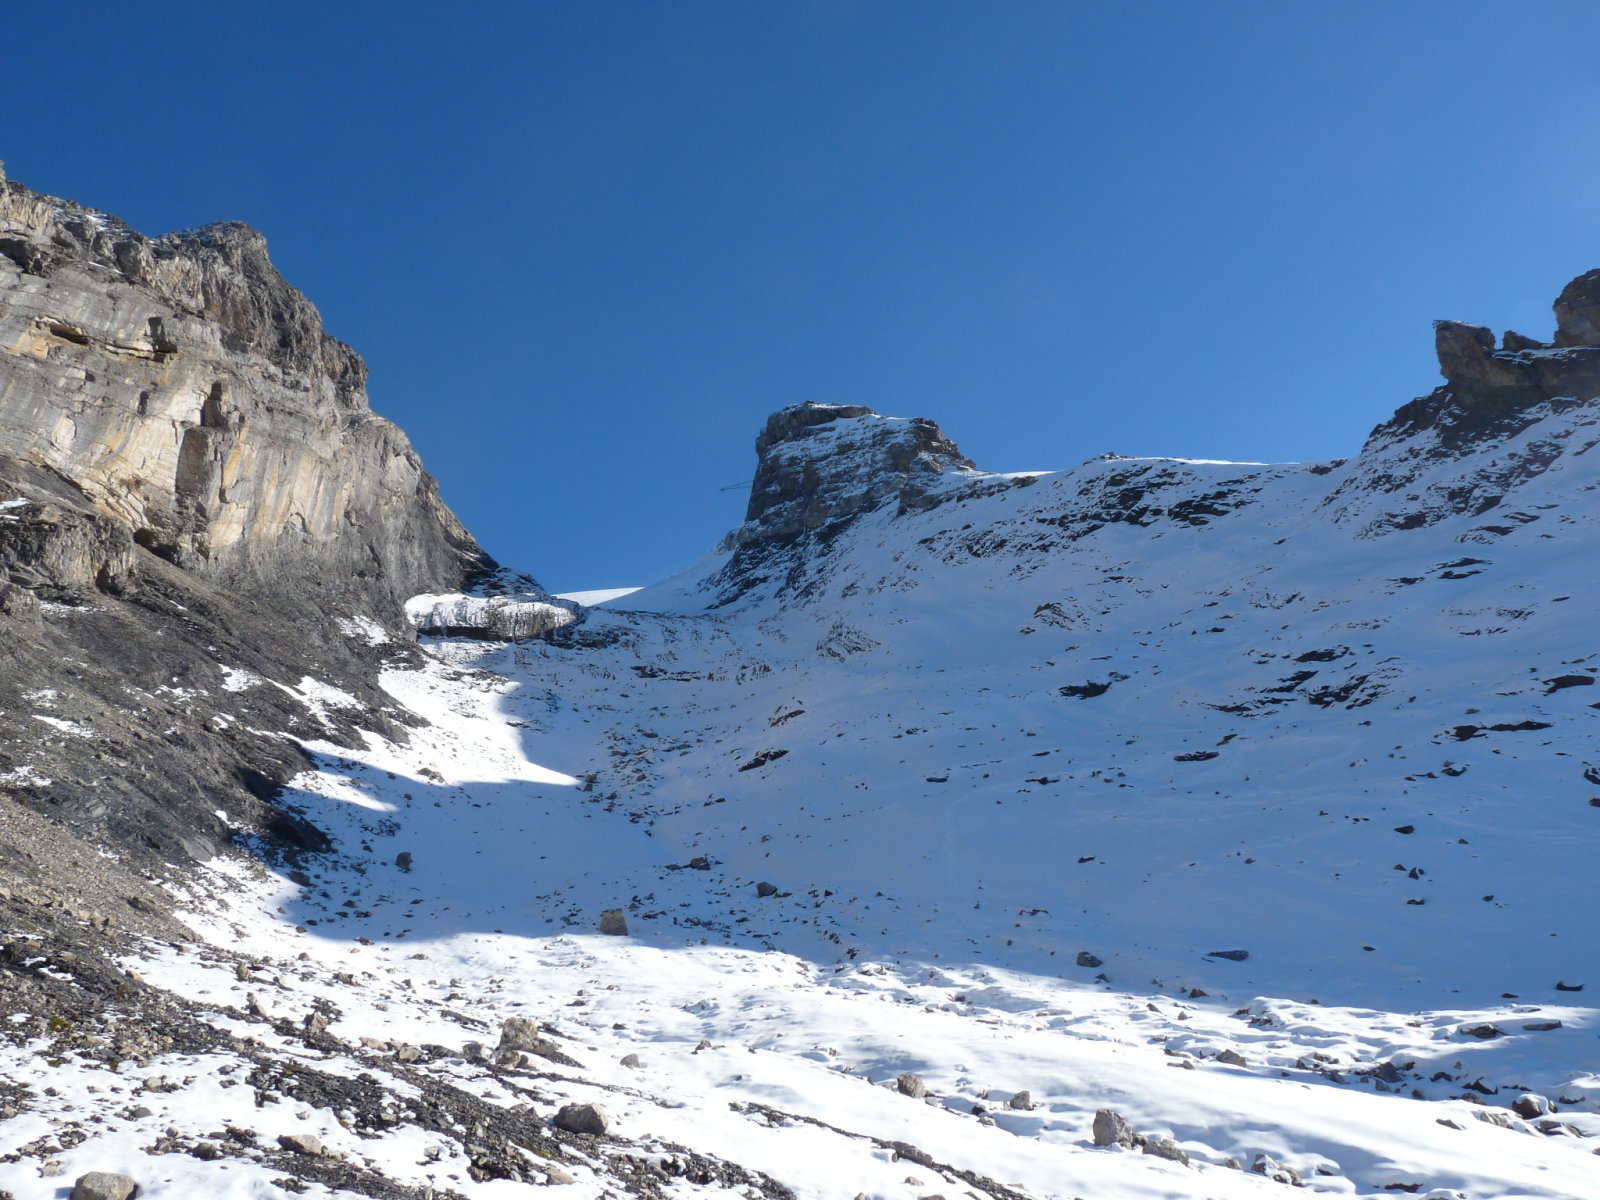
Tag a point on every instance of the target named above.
point(1257, 803)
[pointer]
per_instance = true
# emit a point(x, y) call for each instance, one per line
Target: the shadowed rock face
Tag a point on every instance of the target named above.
point(198, 514)
point(820, 466)
point(819, 463)
point(191, 393)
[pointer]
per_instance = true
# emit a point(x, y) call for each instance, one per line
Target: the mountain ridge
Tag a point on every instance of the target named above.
point(1006, 793)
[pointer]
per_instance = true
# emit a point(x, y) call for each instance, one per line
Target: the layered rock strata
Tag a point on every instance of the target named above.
point(189, 392)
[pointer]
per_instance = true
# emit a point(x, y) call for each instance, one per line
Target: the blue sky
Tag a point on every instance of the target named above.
point(586, 247)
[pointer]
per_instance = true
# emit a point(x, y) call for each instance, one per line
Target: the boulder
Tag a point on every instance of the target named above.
point(104, 1185)
point(1085, 959)
point(1022, 1102)
point(582, 1118)
point(1112, 1129)
point(911, 1085)
point(613, 921)
point(303, 1143)
point(1530, 1105)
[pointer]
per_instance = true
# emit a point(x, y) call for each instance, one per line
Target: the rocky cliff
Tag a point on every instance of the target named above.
point(192, 395)
point(819, 466)
point(199, 514)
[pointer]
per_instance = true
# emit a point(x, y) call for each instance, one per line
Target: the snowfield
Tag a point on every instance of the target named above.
point(1254, 803)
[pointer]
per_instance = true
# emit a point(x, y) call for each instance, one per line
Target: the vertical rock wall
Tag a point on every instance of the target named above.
point(191, 393)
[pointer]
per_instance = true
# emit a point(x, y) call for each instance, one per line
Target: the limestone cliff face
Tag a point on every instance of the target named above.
point(192, 394)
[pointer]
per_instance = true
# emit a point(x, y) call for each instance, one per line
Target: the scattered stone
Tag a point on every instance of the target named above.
point(406, 1053)
point(1022, 1102)
point(765, 889)
point(403, 860)
point(1484, 1031)
point(1541, 1026)
point(103, 1185)
point(1165, 1147)
point(315, 1023)
point(1230, 955)
point(1530, 1105)
point(1563, 986)
point(1111, 1129)
point(700, 863)
point(582, 1118)
point(1233, 1058)
point(303, 1143)
point(1085, 959)
point(911, 1085)
point(631, 1060)
point(472, 1051)
point(613, 921)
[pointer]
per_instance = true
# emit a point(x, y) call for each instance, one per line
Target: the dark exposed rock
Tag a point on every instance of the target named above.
point(614, 921)
point(1530, 1105)
point(819, 467)
point(1578, 311)
point(1085, 959)
point(1230, 955)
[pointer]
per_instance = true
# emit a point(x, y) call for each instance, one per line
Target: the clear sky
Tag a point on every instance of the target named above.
point(587, 245)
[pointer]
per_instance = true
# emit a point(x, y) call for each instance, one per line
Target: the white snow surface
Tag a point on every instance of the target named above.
point(1017, 767)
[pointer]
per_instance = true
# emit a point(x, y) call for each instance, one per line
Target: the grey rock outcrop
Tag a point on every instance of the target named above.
point(193, 395)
